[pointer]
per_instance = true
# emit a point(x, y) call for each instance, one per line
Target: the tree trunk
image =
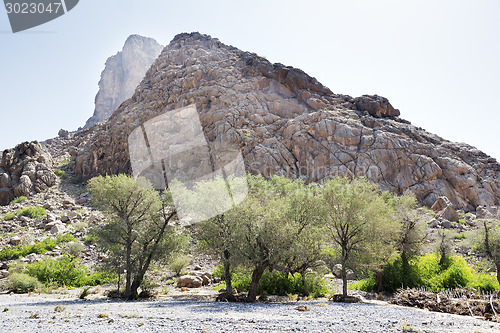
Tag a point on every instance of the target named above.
point(128, 274)
point(344, 273)
point(256, 275)
point(498, 271)
point(133, 289)
point(227, 272)
point(378, 279)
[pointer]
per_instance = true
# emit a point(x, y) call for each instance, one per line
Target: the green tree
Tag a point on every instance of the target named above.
point(412, 228)
point(278, 223)
point(218, 234)
point(489, 236)
point(359, 221)
point(139, 226)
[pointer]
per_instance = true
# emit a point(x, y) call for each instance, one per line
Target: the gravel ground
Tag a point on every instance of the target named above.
point(37, 314)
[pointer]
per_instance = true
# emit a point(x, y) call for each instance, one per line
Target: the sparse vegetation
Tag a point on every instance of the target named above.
point(48, 244)
point(178, 263)
point(64, 272)
point(73, 249)
point(19, 199)
point(59, 172)
point(34, 212)
point(21, 283)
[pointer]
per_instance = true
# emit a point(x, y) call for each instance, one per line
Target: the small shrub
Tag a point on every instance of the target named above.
point(9, 216)
point(34, 315)
point(84, 293)
point(59, 172)
point(102, 315)
point(64, 272)
point(483, 282)
point(21, 283)
point(59, 308)
point(39, 248)
point(34, 212)
point(80, 226)
point(90, 239)
point(19, 199)
point(73, 249)
point(368, 284)
point(178, 263)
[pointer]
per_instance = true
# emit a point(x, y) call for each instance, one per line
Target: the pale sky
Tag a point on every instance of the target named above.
point(437, 61)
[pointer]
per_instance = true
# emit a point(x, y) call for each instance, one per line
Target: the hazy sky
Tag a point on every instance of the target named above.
point(436, 61)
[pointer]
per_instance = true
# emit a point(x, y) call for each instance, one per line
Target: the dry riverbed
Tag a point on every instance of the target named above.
point(66, 313)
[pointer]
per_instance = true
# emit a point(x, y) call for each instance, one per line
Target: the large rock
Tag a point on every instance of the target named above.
point(286, 122)
point(189, 281)
point(25, 170)
point(376, 106)
point(121, 75)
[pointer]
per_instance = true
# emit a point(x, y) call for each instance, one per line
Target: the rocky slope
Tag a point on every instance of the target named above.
point(285, 121)
point(123, 72)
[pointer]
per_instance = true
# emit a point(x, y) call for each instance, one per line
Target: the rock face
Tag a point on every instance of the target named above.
point(123, 72)
point(25, 170)
point(286, 122)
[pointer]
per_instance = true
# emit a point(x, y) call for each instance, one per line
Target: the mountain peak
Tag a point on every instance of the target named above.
point(121, 75)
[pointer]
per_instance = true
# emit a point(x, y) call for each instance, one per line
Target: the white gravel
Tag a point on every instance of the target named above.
point(37, 314)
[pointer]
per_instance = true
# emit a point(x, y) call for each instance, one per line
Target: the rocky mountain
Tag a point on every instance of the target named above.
point(286, 122)
point(121, 75)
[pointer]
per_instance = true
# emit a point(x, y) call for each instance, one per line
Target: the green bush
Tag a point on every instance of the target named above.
point(278, 283)
point(178, 263)
point(426, 272)
point(483, 282)
point(59, 172)
point(90, 239)
point(19, 199)
point(41, 247)
point(73, 249)
point(368, 284)
point(34, 212)
point(21, 283)
point(9, 216)
point(64, 272)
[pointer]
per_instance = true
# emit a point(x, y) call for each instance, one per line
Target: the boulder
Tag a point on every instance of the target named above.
point(189, 281)
point(57, 229)
point(4, 273)
point(71, 215)
point(50, 218)
point(16, 240)
point(440, 204)
point(487, 212)
point(376, 106)
point(350, 275)
point(433, 223)
point(448, 214)
point(337, 270)
point(25, 170)
point(6, 196)
point(447, 224)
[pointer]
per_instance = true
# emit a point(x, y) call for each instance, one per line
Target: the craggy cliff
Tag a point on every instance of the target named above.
point(287, 122)
point(121, 75)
